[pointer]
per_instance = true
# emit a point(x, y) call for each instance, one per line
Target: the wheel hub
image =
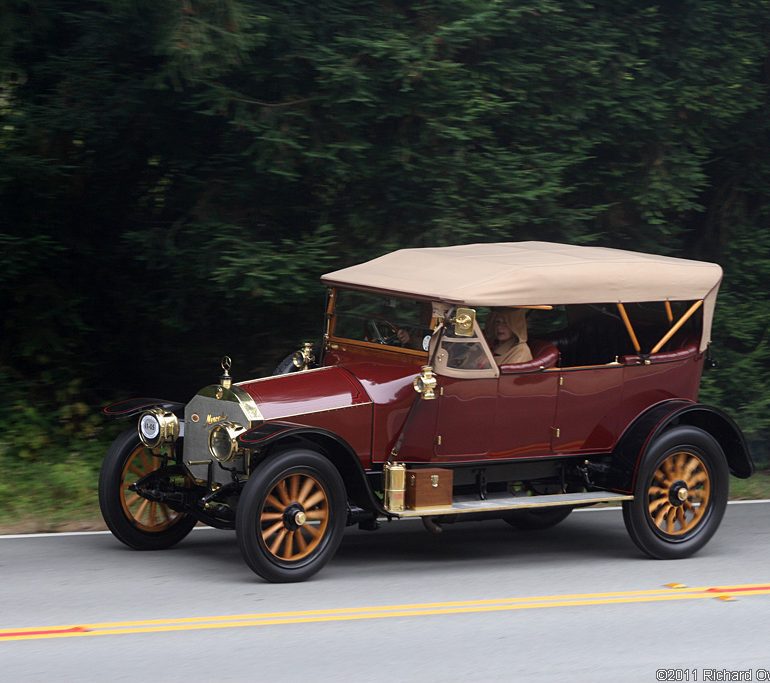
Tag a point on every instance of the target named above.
point(678, 493)
point(294, 517)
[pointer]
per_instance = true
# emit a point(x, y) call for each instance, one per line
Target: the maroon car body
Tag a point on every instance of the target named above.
point(405, 390)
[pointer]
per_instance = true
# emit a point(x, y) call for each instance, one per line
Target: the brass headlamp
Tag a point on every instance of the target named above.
point(158, 426)
point(223, 440)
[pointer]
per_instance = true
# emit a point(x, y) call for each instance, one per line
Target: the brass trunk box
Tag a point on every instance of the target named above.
point(429, 487)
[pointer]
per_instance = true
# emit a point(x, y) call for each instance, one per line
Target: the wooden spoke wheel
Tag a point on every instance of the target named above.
point(139, 523)
point(291, 515)
point(147, 515)
point(294, 517)
point(680, 494)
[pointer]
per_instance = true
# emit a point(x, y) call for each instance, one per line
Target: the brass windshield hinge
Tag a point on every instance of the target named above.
point(556, 432)
point(438, 439)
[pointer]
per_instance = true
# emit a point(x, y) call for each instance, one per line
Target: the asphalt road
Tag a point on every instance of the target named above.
point(479, 602)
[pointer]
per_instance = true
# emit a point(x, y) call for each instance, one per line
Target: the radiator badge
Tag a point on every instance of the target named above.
point(211, 419)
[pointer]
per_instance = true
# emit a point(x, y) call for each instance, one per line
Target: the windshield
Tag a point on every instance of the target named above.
point(390, 321)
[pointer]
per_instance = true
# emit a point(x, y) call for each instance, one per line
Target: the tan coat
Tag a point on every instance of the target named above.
point(514, 350)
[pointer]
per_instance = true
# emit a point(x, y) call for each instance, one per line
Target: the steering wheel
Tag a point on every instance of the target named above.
point(381, 331)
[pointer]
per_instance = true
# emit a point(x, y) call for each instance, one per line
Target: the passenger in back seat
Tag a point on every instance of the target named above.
point(506, 332)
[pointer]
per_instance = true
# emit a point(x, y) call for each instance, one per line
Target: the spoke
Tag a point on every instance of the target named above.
point(132, 498)
point(681, 518)
point(670, 520)
point(165, 513)
point(655, 505)
point(281, 492)
point(316, 498)
point(288, 548)
point(307, 486)
point(146, 462)
point(269, 516)
point(293, 487)
point(317, 515)
point(153, 519)
point(658, 490)
point(301, 542)
point(140, 510)
point(690, 468)
point(676, 465)
point(134, 469)
point(278, 540)
point(700, 478)
point(267, 533)
point(661, 514)
point(274, 502)
point(313, 531)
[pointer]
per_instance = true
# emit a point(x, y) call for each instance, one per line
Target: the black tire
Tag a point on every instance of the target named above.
point(535, 520)
point(274, 544)
point(684, 465)
point(137, 522)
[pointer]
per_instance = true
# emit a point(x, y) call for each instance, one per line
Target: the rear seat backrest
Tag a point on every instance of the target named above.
point(544, 355)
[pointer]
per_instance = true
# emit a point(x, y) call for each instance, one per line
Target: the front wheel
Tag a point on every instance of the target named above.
point(680, 494)
point(291, 516)
point(139, 523)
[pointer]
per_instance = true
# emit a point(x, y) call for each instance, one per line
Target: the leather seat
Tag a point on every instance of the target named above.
point(544, 355)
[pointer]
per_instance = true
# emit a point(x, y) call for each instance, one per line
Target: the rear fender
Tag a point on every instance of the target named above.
point(647, 427)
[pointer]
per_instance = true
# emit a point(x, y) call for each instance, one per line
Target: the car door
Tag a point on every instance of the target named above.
point(467, 397)
point(587, 408)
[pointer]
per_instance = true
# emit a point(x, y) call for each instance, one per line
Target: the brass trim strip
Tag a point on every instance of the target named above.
point(315, 412)
point(678, 325)
point(629, 327)
point(288, 374)
point(570, 368)
point(381, 347)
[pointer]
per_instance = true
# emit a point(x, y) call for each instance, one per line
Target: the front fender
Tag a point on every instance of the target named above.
point(267, 437)
point(643, 431)
point(133, 406)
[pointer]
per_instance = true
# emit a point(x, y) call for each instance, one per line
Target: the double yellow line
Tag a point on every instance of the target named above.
point(665, 594)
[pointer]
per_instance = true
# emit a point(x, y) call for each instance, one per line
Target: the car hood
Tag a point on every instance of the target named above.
point(311, 391)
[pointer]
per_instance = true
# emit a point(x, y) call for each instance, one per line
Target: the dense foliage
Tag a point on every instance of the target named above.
point(175, 174)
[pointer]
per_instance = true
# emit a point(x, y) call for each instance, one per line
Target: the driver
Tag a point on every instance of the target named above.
point(414, 337)
point(506, 332)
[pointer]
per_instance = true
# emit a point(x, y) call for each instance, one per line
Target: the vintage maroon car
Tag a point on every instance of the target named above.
point(405, 412)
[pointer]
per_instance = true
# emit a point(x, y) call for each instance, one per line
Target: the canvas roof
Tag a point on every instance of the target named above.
point(535, 273)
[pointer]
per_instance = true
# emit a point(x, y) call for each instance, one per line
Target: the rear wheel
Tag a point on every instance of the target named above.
point(680, 494)
point(291, 516)
point(139, 523)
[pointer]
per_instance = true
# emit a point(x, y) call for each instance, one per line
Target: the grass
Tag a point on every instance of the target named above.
point(755, 488)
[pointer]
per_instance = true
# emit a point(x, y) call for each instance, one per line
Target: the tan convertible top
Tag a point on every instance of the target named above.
point(536, 273)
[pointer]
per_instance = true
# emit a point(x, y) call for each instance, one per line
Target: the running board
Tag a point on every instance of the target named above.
point(501, 502)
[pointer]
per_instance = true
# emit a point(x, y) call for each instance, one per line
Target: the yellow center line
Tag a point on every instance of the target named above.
point(381, 612)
